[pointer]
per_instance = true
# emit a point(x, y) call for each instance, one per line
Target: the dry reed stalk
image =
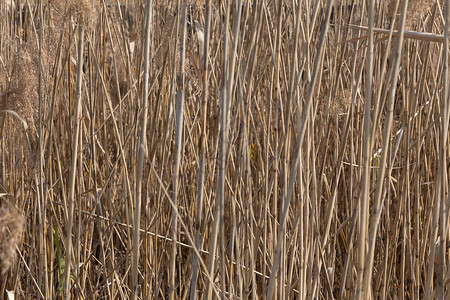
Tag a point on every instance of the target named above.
point(142, 149)
point(72, 179)
point(361, 291)
point(415, 35)
point(40, 175)
point(287, 129)
point(202, 150)
point(306, 111)
point(383, 164)
point(85, 13)
point(222, 163)
point(318, 253)
point(442, 176)
point(235, 248)
point(179, 145)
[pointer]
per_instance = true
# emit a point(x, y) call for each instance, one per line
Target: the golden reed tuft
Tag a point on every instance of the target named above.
point(11, 227)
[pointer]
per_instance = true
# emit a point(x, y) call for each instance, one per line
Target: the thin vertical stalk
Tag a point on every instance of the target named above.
point(378, 203)
point(245, 109)
point(287, 136)
point(301, 134)
point(76, 133)
point(442, 169)
point(220, 192)
point(178, 146)
point(142, 146)
point(201, 172)
point(40, 182)
point(278, 103)
point(234, 240)
point(365, 182)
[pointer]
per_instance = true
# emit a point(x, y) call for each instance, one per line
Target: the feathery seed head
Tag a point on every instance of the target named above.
point(11, 227)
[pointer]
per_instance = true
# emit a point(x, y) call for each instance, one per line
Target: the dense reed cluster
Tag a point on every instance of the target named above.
point(224, 149)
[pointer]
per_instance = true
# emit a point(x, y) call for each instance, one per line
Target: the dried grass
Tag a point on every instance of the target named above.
point(318, 248)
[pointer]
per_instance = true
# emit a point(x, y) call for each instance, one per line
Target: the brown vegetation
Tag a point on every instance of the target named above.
point(293, 163)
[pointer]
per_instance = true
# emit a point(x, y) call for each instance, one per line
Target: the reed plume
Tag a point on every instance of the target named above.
point(11, 227)
point(21, 96)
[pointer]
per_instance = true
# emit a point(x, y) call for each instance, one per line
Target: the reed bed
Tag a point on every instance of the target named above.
point(224, 149)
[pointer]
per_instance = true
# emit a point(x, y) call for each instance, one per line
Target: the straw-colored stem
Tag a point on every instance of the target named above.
point(365, 181)
point(142, 150)
point(442, 169)
point(179, 145)
point(301, 133)
point(222, 160)
point(40, 181)
point(73, 170)
point(202, 150)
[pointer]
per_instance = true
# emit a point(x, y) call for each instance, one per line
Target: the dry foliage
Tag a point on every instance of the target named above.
point(273, 77)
